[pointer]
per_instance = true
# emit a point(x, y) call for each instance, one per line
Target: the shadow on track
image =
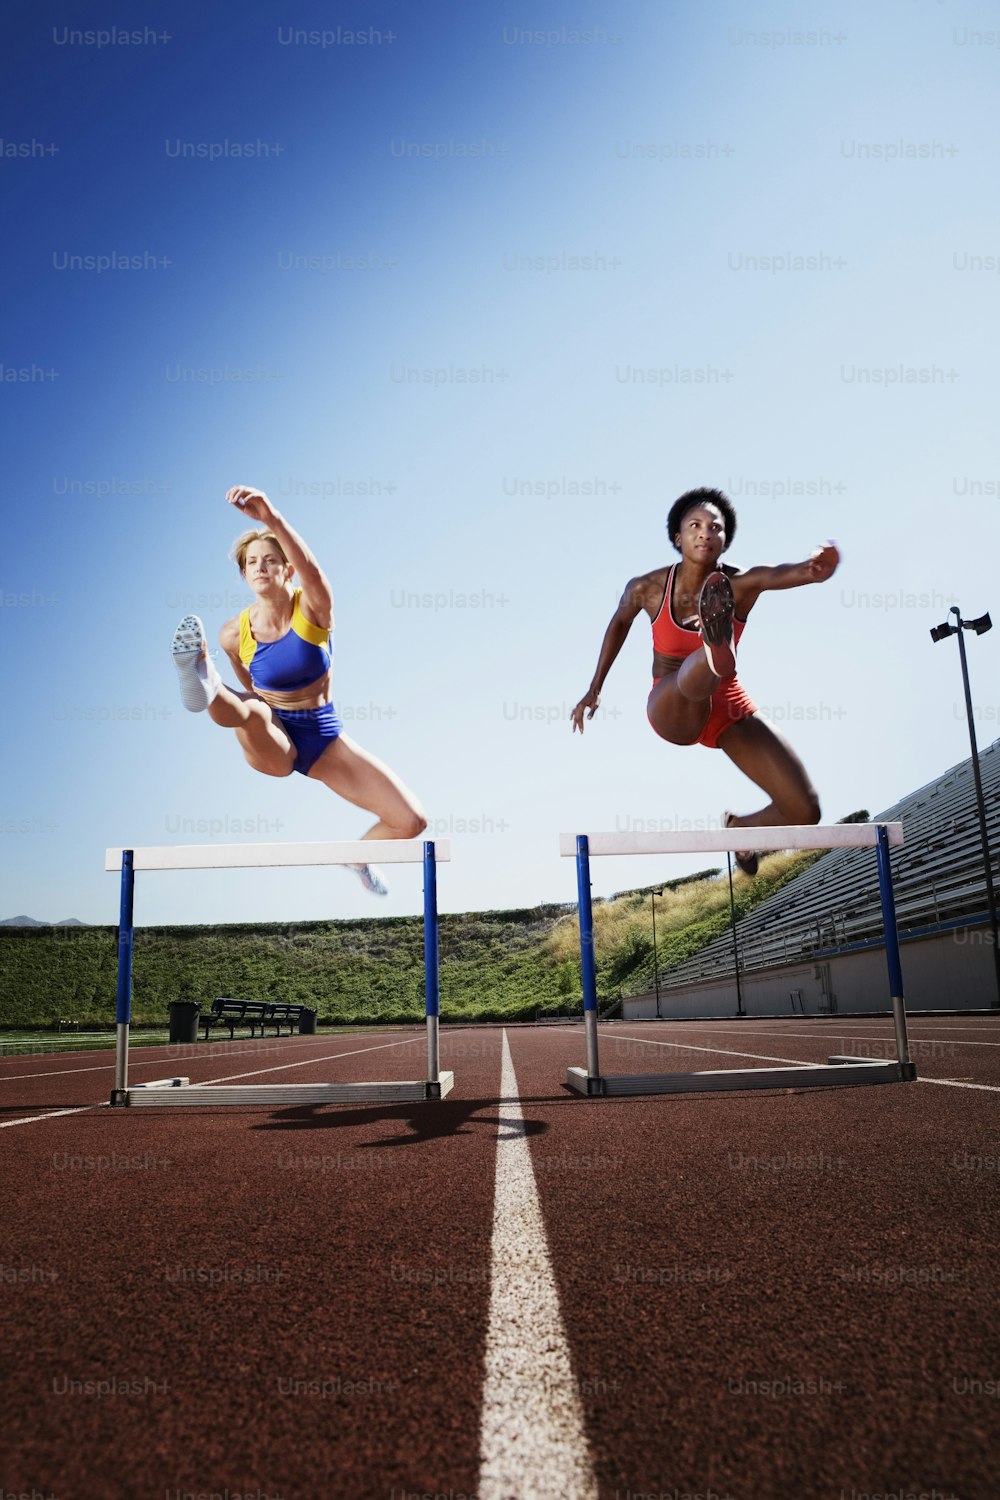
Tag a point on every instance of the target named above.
point(425, 1121)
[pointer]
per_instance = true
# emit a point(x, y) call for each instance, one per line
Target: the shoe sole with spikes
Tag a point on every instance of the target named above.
point(189, 647)
point(715, 614)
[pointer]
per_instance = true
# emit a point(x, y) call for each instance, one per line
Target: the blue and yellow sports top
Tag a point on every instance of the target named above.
point(300, 657)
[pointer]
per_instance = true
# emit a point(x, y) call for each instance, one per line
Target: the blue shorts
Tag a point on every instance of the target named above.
point(310, 730)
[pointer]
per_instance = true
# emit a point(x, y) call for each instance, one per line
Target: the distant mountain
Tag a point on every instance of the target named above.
point(34, 922)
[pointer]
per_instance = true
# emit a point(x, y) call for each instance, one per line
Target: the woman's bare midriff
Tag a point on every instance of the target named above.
point(314, 695)
point(666, 666)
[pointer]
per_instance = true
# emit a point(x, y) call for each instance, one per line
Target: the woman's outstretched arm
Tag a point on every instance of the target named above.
point(820, 565)
point(317, 595)
point(614, 638)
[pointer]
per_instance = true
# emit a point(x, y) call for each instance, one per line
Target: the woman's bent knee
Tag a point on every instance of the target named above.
point(674, 737)
point(676, 719)
point(413, 825)
point(802, 808)
point(269, 767)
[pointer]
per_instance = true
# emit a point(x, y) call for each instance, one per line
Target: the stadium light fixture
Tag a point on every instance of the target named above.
point(736, 948)
point(938, 633)
point(656, 962)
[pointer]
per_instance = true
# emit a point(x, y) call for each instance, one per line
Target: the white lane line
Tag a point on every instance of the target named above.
point(937, 1022)
point(724, 1051)
point(532, 1441)
point(53, 1114)
point(917, 1018)
point(208, 1083)
point(157, 1062)
point(814, 1036)
point(954, 1083)
point(67, 1054)
point(109, 1066)
point(829, 1021)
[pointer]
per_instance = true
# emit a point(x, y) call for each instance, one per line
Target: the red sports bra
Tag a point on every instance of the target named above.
point(671, 639)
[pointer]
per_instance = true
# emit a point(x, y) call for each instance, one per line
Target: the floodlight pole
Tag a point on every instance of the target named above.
point(736, 950)
point(980, 627)
point(656, 962)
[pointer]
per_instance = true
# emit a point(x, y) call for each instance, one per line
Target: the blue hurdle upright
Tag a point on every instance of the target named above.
point(180, 1091)
point(840, 1070)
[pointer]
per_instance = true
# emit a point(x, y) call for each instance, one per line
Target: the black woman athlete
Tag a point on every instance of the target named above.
point(698, 608)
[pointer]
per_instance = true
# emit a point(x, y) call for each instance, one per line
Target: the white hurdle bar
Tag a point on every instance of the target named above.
point(179, 1091)
point(839, 1070)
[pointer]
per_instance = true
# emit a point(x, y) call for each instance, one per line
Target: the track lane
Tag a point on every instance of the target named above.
point(91, 1083)
point(296, 1299)
point(662, 1047)
point(775, 1294)
point(838, 1236)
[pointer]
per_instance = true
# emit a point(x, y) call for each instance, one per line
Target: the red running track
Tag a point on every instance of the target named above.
point(763, 1294)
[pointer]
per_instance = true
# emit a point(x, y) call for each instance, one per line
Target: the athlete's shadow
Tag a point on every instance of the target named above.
point(429, 1120)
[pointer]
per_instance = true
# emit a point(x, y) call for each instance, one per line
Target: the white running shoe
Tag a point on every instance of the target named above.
point(199, 680)
point(372, 879)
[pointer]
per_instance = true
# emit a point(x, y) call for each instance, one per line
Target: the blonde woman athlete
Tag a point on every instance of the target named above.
point(280, 649)
point(699, 608)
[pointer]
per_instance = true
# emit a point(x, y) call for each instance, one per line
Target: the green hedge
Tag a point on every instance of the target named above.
point(494, 965)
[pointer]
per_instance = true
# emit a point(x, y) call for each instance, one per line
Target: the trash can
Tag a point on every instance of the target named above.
point(307, 1023)
point(184, 1017)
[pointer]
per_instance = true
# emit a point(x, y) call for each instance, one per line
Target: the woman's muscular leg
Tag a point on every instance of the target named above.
point(265, 744)
point(769, 760)
point(362, 779)
point(681, 702)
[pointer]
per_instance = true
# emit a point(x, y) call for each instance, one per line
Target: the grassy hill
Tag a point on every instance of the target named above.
point(498, 965)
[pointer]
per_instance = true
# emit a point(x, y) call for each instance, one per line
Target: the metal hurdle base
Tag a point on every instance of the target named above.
point(840, 1071)
point(180, 1092)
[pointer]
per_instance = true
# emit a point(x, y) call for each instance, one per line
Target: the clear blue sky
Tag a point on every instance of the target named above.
point(773, 210)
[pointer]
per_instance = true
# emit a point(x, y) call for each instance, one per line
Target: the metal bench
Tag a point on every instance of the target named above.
point(253, 1013)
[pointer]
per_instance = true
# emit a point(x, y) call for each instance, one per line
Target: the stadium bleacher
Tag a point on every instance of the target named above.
point(833, 906)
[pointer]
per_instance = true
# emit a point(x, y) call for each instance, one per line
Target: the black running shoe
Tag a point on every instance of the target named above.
point(746, 859)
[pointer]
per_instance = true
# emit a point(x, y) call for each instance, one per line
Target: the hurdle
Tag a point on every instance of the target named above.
point(180, 1091)
point(839, 1070)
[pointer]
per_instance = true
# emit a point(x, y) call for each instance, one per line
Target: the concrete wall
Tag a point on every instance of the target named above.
point(950, 971)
